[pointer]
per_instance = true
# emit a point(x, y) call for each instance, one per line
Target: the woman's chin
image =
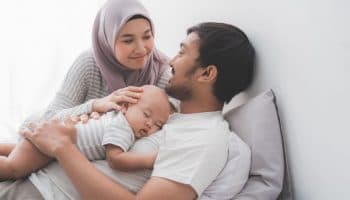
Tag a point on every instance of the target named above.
point(137, 65)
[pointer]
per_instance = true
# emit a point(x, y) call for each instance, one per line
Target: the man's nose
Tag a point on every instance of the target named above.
point(171, 62)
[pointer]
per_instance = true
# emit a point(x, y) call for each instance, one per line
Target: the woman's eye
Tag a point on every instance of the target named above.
point(147, 37)
point(127, 41)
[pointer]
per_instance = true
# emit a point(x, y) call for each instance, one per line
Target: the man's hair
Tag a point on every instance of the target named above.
point(228, 48)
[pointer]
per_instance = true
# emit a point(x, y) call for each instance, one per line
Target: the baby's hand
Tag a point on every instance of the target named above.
point(151, 159)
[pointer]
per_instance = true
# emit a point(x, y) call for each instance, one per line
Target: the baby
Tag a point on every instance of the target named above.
point(106, 138)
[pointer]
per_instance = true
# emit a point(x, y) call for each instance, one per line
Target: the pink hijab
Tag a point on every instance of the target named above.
point(108, 22)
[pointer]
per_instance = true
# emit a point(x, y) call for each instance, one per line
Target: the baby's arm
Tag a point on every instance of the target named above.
point(6, 148)
point(128, 161)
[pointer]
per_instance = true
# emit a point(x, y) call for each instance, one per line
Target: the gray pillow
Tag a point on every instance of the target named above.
point(257, 123)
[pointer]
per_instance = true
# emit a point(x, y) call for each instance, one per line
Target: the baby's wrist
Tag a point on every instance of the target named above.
point(149, 161)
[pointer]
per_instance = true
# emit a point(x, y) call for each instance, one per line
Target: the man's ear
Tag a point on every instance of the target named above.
point(208, 74)
point(124, 107)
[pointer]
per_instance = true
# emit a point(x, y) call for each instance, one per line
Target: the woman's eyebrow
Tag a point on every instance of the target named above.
point(127, 35)
point(147, 31)
point(132, 35)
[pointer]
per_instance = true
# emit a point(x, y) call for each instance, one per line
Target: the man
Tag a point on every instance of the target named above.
point(215, 62)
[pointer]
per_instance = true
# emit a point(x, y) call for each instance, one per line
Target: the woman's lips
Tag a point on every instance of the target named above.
point(139, 57)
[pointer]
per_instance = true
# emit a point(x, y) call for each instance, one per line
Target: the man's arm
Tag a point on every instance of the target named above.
point(127, 161)
point(73, 161)
point(57, 140)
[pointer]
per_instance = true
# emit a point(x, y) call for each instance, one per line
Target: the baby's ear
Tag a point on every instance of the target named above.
point(124, 107)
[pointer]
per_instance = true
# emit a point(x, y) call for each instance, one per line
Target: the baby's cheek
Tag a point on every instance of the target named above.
point(153, 130)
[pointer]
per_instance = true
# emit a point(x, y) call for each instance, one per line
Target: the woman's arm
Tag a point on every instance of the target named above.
point(70, 99)
point(128, 161)
point(84, 81)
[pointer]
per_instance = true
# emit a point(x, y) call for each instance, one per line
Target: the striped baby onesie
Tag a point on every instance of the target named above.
point(111, 128)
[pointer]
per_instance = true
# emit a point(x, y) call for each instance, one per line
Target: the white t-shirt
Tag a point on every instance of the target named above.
point(194, 149)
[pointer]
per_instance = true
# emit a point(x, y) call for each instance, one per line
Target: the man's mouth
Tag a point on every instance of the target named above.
point(172, 69)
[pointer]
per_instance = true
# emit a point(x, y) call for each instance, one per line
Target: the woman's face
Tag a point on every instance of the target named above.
point(134, 44)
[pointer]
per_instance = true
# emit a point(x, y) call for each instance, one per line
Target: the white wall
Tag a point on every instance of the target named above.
point(303, 51)
point(39, 39)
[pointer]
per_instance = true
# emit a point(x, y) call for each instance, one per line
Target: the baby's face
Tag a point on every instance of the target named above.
point(148, 115)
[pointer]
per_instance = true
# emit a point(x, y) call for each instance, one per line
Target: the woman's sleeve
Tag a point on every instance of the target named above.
point(70, 100)
point(163, 82)
point(164, 77)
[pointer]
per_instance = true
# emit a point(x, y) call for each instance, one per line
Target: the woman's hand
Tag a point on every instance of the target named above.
point(51, 137)
point(84, 118)
point(129, 94)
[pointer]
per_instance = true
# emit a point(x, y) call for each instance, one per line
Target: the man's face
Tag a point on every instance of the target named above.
point(184, 64)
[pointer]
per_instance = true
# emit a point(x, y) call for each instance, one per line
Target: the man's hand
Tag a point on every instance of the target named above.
point(51, 137)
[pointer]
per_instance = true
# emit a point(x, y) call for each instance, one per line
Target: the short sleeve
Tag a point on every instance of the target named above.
point(118, 132)
point(195, 161)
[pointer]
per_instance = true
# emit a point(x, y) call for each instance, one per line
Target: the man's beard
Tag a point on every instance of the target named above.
point(181, 93)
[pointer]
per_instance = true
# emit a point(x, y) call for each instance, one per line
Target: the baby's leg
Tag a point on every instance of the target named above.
point(24, 159)
point(6, 148)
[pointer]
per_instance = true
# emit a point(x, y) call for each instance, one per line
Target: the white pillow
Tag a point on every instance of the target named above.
point(256, 123)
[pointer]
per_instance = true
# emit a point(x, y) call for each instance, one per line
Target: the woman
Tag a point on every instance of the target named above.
point(123, 56)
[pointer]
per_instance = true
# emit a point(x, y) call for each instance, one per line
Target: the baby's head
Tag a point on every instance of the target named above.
point(150, 112)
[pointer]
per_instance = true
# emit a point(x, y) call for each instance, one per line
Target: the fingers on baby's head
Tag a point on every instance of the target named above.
point(156, 96)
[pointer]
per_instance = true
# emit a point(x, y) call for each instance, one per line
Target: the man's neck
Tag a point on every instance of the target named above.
point(200, 105)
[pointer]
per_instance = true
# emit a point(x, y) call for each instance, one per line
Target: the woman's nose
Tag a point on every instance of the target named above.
point(140, 47)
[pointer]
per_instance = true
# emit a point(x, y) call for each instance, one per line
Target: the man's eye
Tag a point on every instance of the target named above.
point(146, 114)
